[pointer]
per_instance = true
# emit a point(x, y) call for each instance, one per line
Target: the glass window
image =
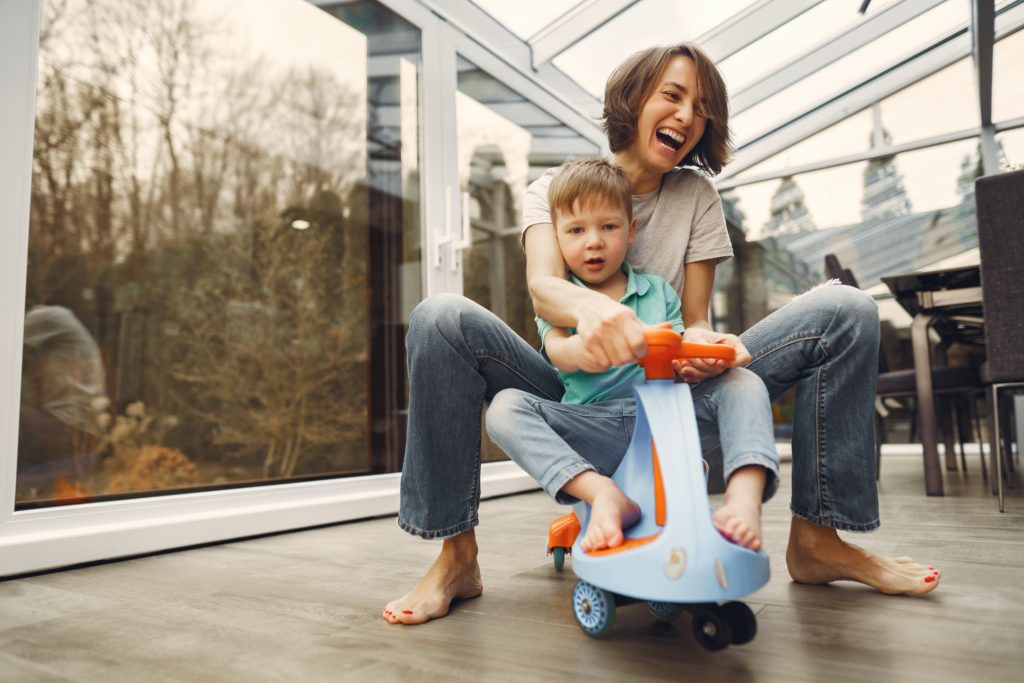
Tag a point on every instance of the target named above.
point(1007, 85)
point(1011, 146)
point(850, 136)
point(847, 72)
point(952, 91)
point(504, 142)
point(527, 17)
point(792, 39)
point(880, 217)
point(214, 187)
point(647, 23)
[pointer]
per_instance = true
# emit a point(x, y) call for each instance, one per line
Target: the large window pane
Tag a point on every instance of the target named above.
point(881, 217)
point(1007, 85)
point(214, 186)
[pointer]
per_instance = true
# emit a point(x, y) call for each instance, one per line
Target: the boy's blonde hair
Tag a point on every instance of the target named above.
point(588, 180)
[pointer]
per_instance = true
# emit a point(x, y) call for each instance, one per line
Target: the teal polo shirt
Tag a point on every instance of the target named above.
point(654, 301)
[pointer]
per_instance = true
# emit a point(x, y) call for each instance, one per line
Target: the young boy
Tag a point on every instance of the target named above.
point(572, 447)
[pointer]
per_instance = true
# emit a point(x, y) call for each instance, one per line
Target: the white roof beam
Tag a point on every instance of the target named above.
point(574, 25)
point(484, 34)
point(982, 30)
point(835, 48)
point(755, 22)
point(947, 49)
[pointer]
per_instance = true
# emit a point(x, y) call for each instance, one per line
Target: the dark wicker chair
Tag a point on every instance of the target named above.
point(1000, 211)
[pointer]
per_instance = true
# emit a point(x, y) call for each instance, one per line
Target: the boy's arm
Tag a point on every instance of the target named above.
point(568, 353)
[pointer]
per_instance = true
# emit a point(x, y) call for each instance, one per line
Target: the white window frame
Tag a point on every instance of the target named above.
point(41, 539)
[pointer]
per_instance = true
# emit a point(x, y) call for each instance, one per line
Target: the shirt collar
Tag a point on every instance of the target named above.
point(634, 285)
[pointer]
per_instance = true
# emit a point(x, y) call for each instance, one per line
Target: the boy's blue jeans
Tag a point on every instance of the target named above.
point(461, 356)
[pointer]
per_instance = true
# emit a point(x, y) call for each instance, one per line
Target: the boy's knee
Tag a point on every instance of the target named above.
point(744, 382)
point(502, 412)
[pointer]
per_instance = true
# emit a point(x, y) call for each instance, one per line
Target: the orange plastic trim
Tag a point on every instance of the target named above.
point(659, 489)
point(563, 531)
point(630, 544)
point(664, 346)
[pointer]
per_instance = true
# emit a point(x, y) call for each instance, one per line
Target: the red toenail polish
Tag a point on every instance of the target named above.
point(406, 611)
point(929, 579)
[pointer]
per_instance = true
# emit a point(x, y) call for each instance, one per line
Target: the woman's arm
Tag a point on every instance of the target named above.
point(698, 285)
point(610, 333)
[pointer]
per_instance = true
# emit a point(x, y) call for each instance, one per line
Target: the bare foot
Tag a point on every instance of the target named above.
point(455, 574)
point(817, 555)
point(740, 522)
point(611, 512)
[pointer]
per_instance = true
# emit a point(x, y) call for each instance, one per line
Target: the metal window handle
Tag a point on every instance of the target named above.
point(446, 236)
point(465, 240)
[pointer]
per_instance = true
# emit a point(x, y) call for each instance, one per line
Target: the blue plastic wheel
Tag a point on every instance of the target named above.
point(594, 609)
point(559, 557)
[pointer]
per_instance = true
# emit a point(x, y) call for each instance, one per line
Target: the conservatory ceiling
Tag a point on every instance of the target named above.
point(794, 67)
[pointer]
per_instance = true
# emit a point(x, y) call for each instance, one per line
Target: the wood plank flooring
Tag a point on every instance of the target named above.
point(304, 607)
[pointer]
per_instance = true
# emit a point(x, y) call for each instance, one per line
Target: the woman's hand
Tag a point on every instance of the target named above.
point(694, 370)
point(610, 333)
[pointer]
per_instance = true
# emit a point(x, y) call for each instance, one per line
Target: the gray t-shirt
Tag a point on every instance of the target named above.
point(678, 223)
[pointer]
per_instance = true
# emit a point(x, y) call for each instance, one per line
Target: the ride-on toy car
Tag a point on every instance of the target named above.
point(673, 558)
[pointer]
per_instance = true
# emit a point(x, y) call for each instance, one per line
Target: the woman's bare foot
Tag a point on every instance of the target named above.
point(740, 522)
point(817, 555)
point(455, 574)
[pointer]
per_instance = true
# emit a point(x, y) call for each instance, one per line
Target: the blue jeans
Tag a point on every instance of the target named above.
point(554, 441)
point(825, 343)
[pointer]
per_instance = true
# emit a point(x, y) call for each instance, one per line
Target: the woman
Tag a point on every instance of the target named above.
point(664, 107)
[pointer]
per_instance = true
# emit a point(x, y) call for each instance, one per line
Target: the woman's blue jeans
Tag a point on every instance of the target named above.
point(825, 343)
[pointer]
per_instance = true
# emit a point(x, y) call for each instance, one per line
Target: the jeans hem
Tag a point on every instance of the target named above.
point(769, 463)
point(838, 525)
point(443, 533)
point(563, 478)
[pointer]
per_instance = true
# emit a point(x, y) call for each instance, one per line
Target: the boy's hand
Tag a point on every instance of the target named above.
point(695, 370)
point(610, 334)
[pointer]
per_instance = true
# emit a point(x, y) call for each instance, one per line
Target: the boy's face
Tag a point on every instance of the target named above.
point(593, 238)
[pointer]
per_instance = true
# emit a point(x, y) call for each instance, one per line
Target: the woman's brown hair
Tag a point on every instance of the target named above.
point(632, 83)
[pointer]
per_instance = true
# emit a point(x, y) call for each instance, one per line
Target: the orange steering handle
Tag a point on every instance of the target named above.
point(664, 346)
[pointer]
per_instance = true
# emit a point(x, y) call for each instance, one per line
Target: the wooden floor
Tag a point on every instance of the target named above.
point(304, 607)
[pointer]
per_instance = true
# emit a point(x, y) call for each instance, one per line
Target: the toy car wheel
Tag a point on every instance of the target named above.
point(711, 629)
point(594, 609)
point(742, 620)
point(558, 554)
point(665, 611)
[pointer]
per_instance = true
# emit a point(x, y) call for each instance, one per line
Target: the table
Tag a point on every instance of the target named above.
point(949, 302)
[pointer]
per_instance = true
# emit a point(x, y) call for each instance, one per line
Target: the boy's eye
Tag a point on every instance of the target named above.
point(575, 230)
point(610, 226)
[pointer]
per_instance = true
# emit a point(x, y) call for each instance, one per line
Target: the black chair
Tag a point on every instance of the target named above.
point(1000, 211)
point(954, 387)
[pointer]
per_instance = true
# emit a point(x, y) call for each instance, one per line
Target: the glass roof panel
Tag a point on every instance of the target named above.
point(949, 97)
point(647, 23)
point(1007, 84)
point(793, 39)
point(526, 17)
point(847, 72)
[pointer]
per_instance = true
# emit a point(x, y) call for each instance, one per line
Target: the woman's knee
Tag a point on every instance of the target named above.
point(850, 302)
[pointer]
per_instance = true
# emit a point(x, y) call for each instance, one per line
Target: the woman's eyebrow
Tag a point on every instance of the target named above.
point(673, 84)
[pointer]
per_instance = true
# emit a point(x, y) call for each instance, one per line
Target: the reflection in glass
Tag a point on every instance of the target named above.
point(213, 185)
point(888, 215)
point(504, 142)
point(1011, 143)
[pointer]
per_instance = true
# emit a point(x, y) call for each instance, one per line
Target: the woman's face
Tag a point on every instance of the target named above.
point(669, 125)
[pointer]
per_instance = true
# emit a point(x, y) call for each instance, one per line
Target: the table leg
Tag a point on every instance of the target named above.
point(926, 402)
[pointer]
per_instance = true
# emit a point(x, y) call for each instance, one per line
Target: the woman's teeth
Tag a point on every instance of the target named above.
point(670, 138)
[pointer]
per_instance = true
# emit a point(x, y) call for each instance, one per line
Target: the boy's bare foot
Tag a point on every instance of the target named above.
point(817, 555)
point(739, 520)
point(611, 511)
point(454, 574)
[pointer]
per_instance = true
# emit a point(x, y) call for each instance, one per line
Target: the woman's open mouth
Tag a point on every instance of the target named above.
point(670, 138)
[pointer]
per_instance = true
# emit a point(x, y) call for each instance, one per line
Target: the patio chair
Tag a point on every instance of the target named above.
point(1000, 211)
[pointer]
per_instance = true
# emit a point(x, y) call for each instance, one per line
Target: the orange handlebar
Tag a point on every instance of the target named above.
point(664, 346)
